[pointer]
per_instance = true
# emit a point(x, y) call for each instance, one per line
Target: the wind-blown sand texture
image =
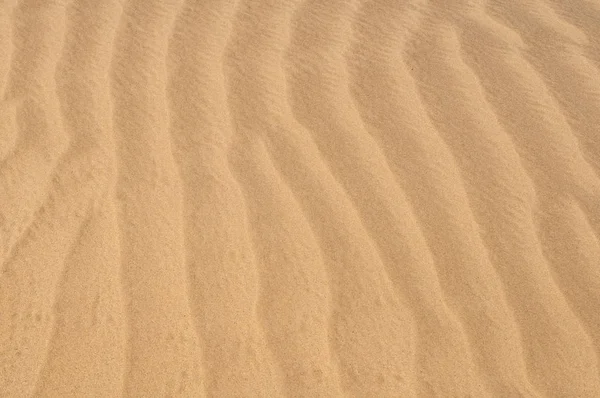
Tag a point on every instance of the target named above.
point(313, 198)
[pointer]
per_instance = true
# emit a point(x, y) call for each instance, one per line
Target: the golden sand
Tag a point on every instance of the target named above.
point(315, 198)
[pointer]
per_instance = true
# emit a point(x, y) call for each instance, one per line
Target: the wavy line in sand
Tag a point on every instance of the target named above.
point(164, 351)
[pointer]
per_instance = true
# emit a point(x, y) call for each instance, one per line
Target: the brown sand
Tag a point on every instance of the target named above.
point(314, 198)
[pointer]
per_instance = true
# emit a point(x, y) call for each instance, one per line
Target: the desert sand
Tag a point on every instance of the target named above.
point(312, 198)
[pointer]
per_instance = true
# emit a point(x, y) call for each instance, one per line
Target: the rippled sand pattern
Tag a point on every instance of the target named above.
point(314, 198)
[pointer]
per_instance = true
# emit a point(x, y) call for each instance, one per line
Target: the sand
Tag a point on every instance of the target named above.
point(313, 198)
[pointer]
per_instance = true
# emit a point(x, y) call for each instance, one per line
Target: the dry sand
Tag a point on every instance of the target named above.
point(313, 198)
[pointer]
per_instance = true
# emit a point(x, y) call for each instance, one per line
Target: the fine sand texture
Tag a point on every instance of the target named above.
point(311, 198)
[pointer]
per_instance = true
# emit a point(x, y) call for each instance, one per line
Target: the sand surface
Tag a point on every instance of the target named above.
point(313, 198)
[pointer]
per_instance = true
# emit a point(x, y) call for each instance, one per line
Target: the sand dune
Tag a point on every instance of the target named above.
point(365, 198)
